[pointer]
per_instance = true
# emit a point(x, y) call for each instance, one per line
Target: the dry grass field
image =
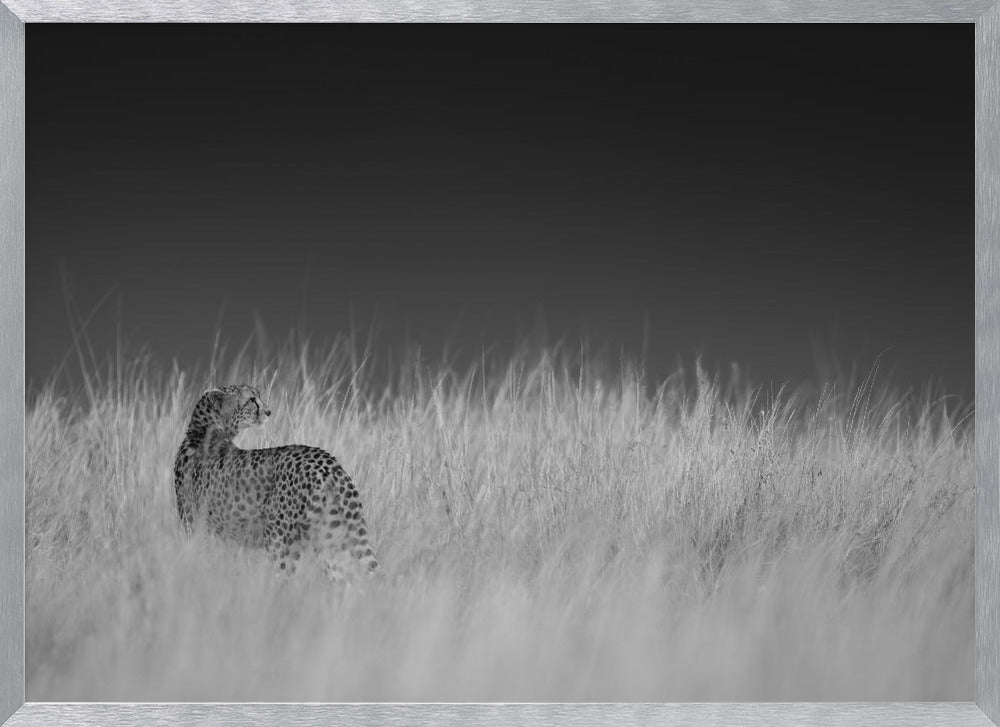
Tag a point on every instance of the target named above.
point(546, 532)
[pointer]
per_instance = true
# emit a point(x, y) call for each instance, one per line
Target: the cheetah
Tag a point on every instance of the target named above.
point(288, 500)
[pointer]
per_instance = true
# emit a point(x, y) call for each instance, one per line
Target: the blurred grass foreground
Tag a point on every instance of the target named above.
point(547, 533)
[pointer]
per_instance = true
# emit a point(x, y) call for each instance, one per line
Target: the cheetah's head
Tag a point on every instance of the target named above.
point(232, 408)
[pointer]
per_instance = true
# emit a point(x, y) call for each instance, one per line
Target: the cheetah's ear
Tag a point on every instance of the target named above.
point(214, 391)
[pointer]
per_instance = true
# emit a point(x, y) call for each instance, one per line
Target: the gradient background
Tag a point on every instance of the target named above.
point(773, 196)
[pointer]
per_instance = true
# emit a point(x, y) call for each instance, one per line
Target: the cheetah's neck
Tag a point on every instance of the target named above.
point(210, 441)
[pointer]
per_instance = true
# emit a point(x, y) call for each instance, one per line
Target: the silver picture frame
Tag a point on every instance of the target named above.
point(985, 14)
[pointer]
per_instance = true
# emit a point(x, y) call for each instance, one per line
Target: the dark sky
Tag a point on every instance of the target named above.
point(753, 193)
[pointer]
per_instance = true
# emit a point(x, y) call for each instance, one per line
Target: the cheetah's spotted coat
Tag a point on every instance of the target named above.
point(290, 500)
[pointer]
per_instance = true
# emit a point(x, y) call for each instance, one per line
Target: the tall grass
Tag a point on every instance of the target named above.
point(546, 533)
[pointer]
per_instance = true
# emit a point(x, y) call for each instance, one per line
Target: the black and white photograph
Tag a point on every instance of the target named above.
point(373, 363)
